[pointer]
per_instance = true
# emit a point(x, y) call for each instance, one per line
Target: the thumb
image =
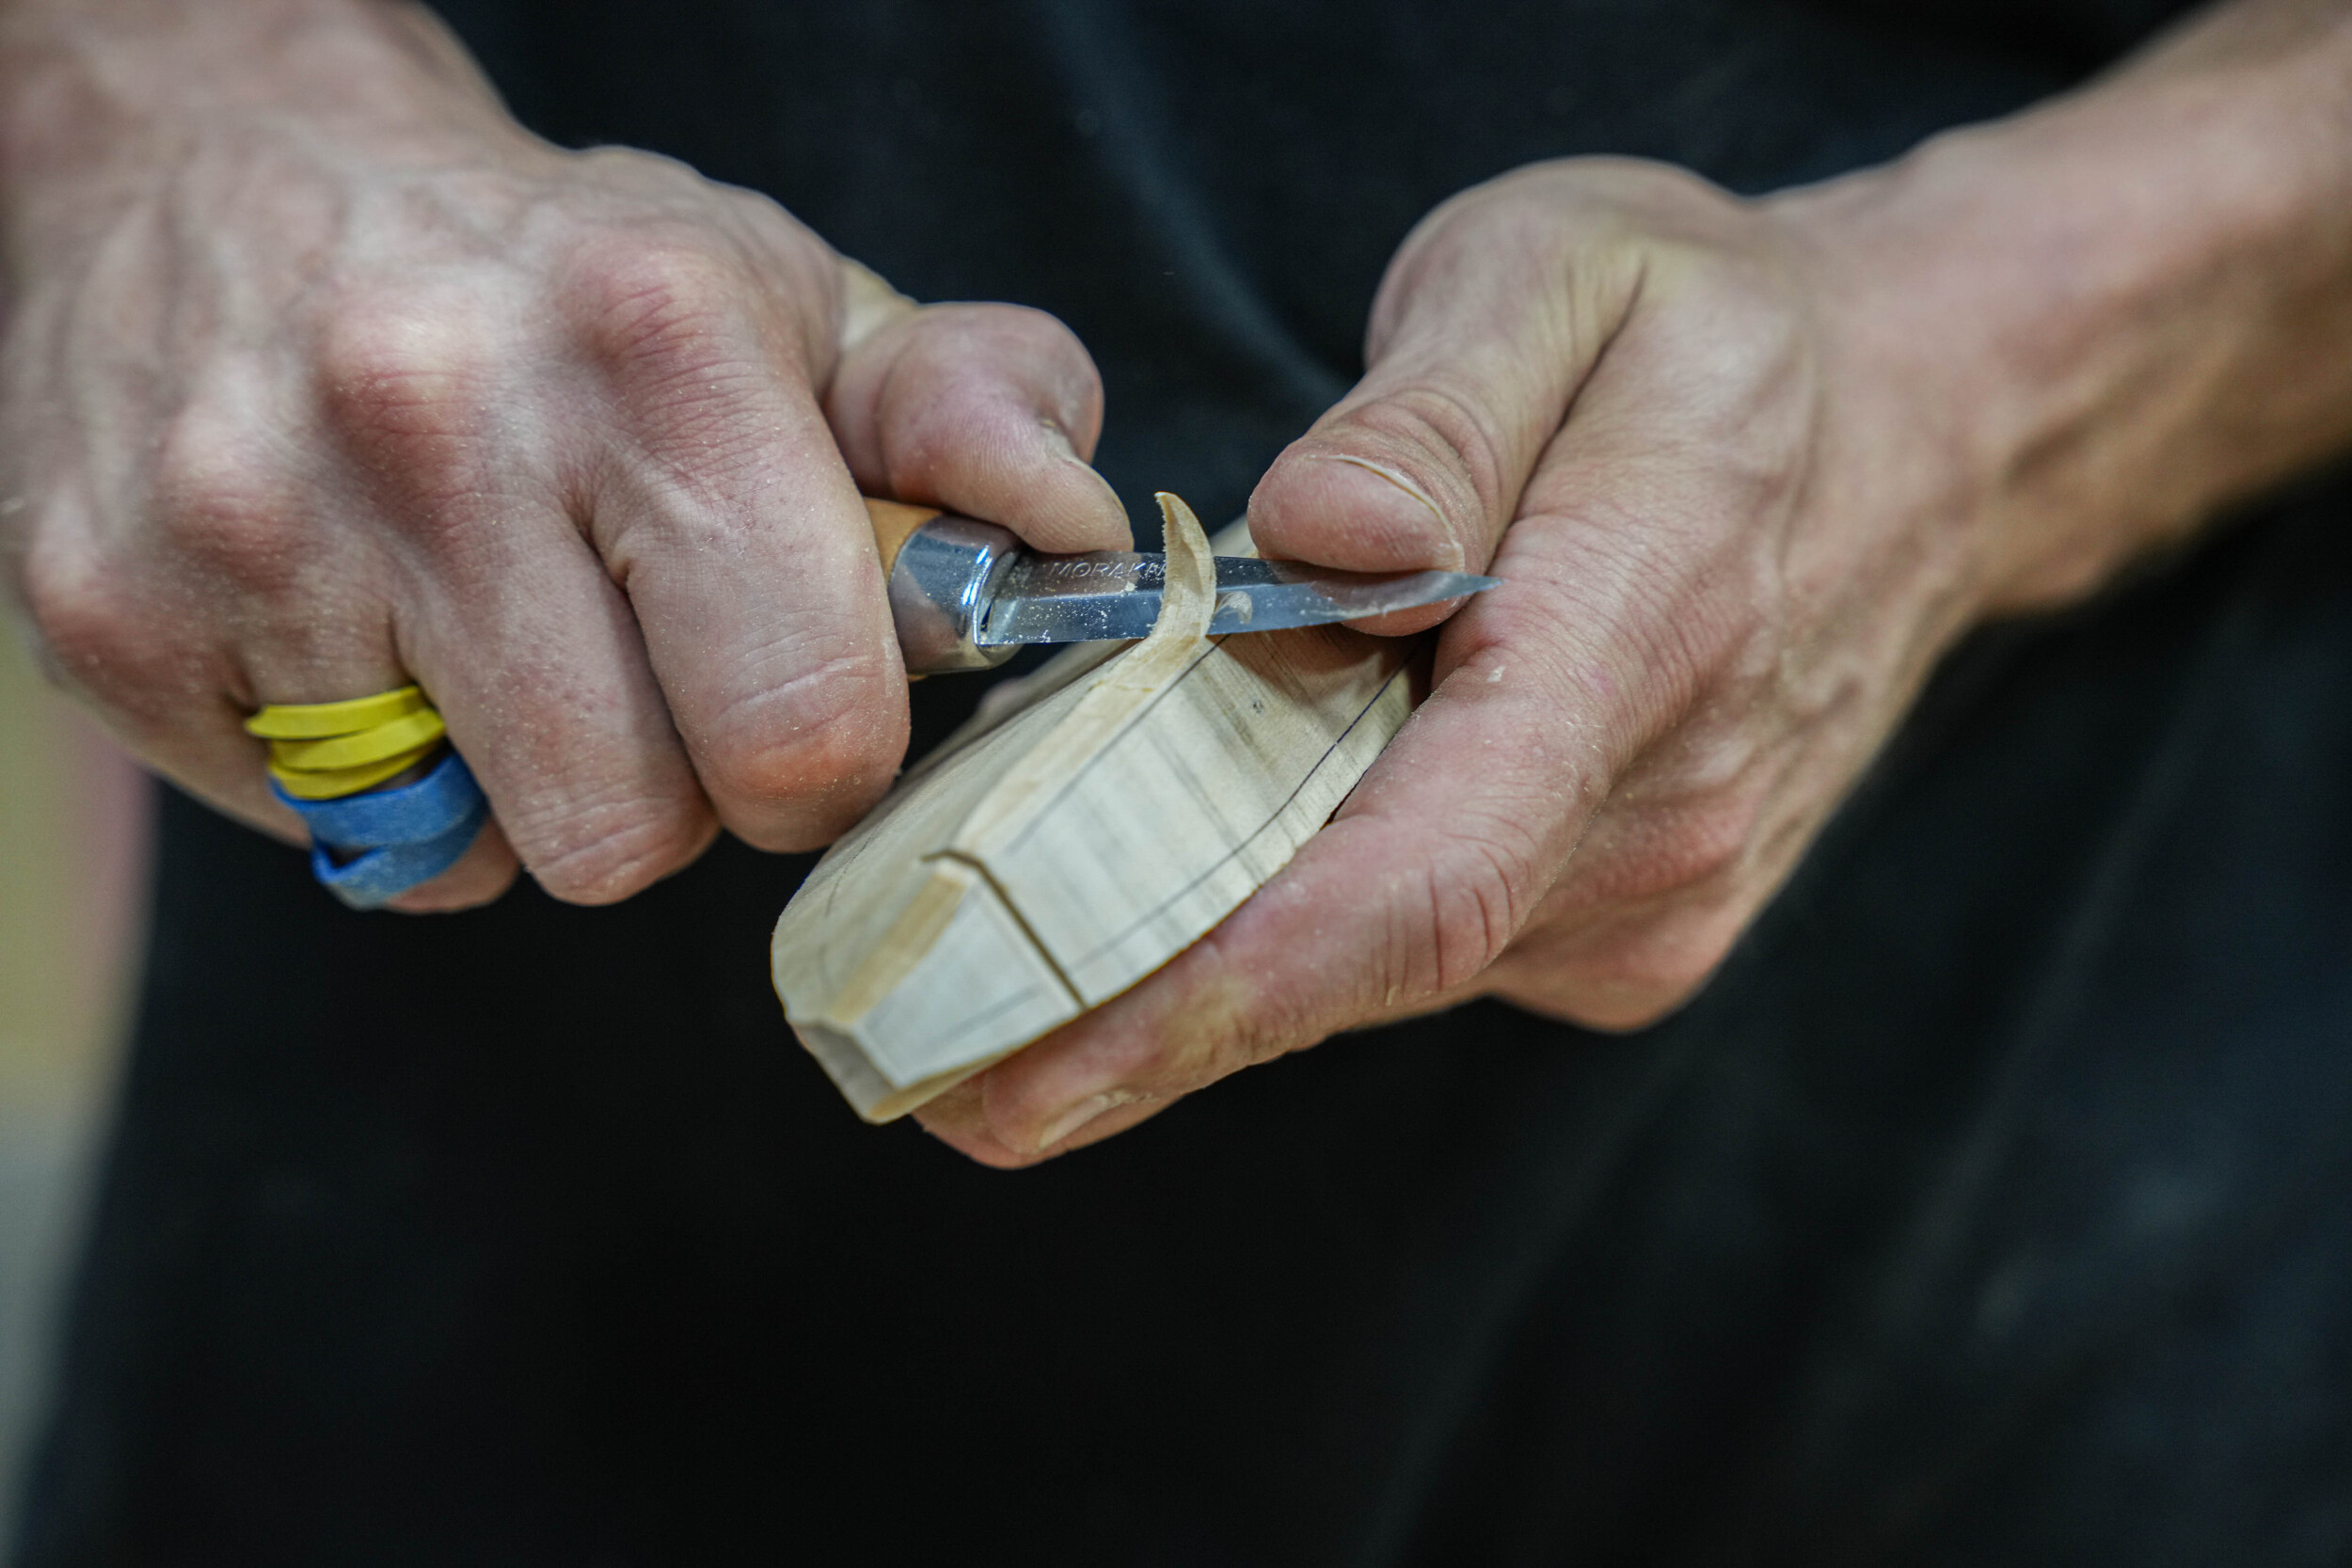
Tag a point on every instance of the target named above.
point(1490, 319)
point(989, 410)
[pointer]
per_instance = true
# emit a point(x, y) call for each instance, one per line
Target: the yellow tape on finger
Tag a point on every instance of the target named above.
point(405, 734)
point(335, 782)
point(312, 721)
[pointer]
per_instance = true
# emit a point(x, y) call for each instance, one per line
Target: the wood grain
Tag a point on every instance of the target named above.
point(1093, 823)
point(893, 521)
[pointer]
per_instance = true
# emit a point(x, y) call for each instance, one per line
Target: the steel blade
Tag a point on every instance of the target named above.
point(1106, 595)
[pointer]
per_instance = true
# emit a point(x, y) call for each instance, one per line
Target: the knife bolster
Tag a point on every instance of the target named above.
point(941, 583)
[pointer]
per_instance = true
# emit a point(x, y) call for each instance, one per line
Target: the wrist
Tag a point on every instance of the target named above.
point(99, 97)
point(2110, 316)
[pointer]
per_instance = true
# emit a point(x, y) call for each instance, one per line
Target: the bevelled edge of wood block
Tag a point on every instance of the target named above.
point(969, 989)
point(869, 917)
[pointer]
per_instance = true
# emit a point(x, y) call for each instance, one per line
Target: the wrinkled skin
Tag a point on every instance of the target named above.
point(318, 373)
point(300, 407)
point(1709, 621)
point(1746, 470)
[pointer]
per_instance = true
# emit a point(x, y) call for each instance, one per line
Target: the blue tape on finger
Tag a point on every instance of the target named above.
point(410, 815)
point(396, 838)
point(384, 874)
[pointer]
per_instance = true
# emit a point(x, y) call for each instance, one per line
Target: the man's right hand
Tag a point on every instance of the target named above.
point(320, 375)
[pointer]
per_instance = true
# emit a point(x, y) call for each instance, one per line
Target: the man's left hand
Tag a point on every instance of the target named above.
point(1746, 469)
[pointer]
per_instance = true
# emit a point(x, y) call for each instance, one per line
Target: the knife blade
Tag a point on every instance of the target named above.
point(966, 594)
point(1116, 593)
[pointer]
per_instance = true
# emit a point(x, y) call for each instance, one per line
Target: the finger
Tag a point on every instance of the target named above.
point(722, 508)
point(1486, 327)
point(506, 616)
point(234, 527)
point(533, 656)
point(165, 628)
point(989, 410)
point(201, 744)
point(343, 644)
point(1546, 689)
point(959, 1118)
point(1234, 1000)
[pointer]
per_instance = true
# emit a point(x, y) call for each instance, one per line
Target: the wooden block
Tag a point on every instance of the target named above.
point(1092, 823)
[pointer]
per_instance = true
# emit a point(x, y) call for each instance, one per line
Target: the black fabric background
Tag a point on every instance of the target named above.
point(1207, 190)
point(1989, 1207)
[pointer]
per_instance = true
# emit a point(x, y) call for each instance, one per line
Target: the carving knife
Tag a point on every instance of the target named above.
point(966, 594)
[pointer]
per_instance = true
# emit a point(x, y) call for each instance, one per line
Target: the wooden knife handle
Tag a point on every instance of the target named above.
point(894, 522)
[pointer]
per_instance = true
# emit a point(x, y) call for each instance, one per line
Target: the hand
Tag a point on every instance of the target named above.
point(320, 375)
point(1746, 470)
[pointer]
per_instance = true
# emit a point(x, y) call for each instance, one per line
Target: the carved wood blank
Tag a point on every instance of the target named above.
point(1086, 828)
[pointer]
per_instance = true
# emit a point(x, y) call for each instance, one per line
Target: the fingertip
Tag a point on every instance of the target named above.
point(989, 410)
point(957, 1119)
point(977, 1118)
point(1337, 508)
point(1070, 507)
point(1089, 1122)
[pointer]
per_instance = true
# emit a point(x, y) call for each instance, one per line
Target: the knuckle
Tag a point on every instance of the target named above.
point(639, 170)
point(601, 852)
point(80, 618)
point(1572, 200)
point(93, 630)
point(696, 367)
point(1441, 431)
point(224, 506)
point(410, 389)
point(398, 368)
point(664, 306)
point(1472, 902)
point(812, 752)
point(1222, 1029)
point(957, 356)
point(945, 335)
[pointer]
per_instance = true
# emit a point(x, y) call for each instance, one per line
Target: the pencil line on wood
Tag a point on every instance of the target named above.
point(1272, 821)
point(1037, 814)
